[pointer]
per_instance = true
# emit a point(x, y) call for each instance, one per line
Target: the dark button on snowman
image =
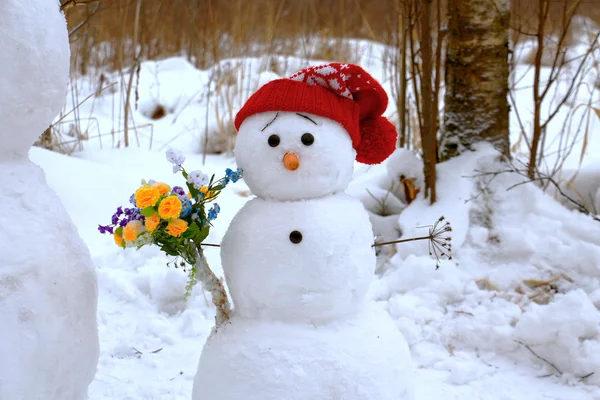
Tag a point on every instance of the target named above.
point(298, 259)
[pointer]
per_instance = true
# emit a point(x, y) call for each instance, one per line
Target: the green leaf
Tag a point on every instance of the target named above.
point(185, 174)
point(203, 234)
point(119, 231)
point(148, 211)
point(218, 187)
point(193, 228)
point(188, 234)
point(169, 250)
point(194, 192)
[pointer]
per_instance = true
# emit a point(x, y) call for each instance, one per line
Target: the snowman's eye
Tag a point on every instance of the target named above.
point(295, 237)
point(307, 139)
point(273, 140)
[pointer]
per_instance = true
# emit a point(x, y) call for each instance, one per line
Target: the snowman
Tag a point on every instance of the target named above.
point(298, 258)
point(48, 290)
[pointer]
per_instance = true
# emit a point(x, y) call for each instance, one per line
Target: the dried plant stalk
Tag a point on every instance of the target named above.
point(215, 287)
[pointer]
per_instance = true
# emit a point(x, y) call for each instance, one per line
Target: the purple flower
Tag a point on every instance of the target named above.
point(105, 229)
point(119, 210)
point(128, 211)
point(178, 190)
point(124, 222)
point(115, 219)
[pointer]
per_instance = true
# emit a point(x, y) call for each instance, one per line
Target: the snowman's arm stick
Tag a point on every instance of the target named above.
point(403, 240)
point(215, 287)
point(439, 240)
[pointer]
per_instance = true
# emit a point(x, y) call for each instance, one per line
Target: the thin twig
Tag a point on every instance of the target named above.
point(403, 240)
point(539, 357)
point(439, 243)
point(540, 178)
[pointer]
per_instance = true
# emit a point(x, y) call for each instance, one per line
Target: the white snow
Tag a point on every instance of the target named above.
point(48, 291)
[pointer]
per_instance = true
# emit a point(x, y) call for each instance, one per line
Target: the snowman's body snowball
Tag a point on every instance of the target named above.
point(326, 164)
point(323, 277)
point(48, 293)
point(360, 358)
point(48, 289)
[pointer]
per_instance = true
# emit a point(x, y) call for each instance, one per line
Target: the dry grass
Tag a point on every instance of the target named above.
point(104, 34)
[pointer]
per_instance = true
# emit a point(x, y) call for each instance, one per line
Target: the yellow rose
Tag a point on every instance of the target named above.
point(176, 227)
point(132, 230)
point(152, 222)
point(170, 207)
point(118, 240)
point(162, 187)
point(146, 196)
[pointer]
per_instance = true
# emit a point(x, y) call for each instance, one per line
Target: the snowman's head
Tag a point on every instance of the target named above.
point(292, 156)
point(298, 137)
point(35, 72)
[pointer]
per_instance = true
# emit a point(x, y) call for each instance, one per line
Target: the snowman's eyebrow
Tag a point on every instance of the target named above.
point(307, 117)
point(273, 120)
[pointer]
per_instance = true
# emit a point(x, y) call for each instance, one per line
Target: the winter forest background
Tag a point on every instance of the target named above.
point(514, 315)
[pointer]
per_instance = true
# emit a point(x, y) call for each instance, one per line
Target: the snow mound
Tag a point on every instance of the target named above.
point(565, 335)
point(525, 274)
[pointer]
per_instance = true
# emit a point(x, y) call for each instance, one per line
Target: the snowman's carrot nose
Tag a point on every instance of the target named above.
point(290, 161)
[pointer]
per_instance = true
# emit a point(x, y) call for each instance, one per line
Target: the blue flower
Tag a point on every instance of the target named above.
point(233, 176)
point(213, 211)
point(212, 214)
point(186, 209)
point(131, 200)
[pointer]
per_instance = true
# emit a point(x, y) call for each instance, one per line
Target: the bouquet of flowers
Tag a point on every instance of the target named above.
point(175, 219)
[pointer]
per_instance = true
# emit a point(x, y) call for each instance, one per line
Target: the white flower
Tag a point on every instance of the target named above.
point(198, 179)
point(176, 168)
point(175, 158)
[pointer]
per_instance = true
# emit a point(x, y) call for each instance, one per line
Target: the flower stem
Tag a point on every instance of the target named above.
point(214, 286)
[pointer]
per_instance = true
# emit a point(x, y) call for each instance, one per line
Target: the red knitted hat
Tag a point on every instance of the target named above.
point(342, 92)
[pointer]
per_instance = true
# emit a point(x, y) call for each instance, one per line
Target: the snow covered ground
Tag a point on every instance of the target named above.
point(515, 315)
point(463, 338)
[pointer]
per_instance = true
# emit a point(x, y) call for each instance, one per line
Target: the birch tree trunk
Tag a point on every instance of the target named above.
point(476, 104)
